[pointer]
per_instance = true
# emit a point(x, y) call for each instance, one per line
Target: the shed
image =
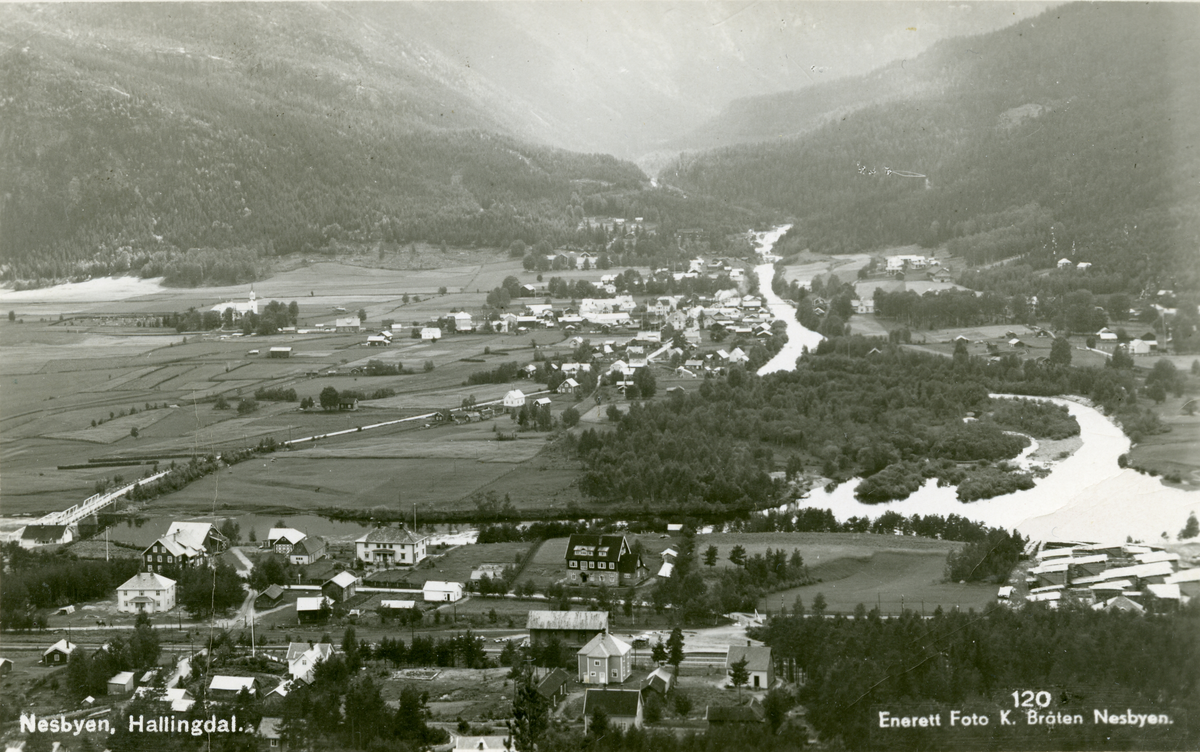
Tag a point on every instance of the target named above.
point(442, 592)
point(279, 352)
point(6, 666)
point(228, 687)
point(121, 684)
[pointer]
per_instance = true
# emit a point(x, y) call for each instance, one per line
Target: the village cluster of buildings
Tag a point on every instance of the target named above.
point(1124, 577)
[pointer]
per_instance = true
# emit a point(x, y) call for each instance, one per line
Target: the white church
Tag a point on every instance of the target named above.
point(240, 309)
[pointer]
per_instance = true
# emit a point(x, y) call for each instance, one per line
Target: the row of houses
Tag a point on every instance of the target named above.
point(1109, 576)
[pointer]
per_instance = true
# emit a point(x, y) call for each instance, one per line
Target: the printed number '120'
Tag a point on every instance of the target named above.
point(1028, 698)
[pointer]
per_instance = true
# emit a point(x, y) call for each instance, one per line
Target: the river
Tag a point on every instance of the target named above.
point(1085, 497)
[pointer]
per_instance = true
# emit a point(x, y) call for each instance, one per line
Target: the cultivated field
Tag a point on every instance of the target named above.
point(857, 568)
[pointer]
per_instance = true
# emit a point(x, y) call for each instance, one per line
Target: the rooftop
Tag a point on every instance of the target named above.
point(614, 702)
point(391, 535)
point(757, 658)
point(593, 621)
point(147, 581)
point(604, 645)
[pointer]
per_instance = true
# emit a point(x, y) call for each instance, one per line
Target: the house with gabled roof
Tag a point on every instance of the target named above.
point(146, 592)
point(603, 560)
point(758, 663)
point(341, 587)
point(302, 659)
point(388, 546)
point(45, 535)
point(307, 551)
point(185, 544)
point(281, 539)
point(623, 707)
point(58, 654)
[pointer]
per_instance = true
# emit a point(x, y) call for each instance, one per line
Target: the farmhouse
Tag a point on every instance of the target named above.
point(463, 322)
point(572, 628)
point(348, 324)
point(622, 706)
point(45, 535)
point(603, 560)
point(307, 551)
point(281, 539)
point(341, 587)
point(146, 592)
point(58, 654)
point(226, 688)
point(302, 659)
point(758, 664)
point(388, 546)
point(185, 543)
point(514, 400)
point(442, 592)
point(430, 334)
point(605, 660)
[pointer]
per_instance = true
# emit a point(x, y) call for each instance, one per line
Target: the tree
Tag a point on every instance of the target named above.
point(362, 315)
point(819, 604)
point(658, 653)
point(710, 556)
point(133, 432)
point(350, 648)
point(1060, 352)
point(12, 315)
point(231, 530)
point(738, 674)
point(570, 417)
point(645, 382)
point(329, 398)
point(1121, 359)
point(531, 715)
point(306, 403)
point(675, 648)
point(737, 555)
point(775, 708)
point(1191, 529)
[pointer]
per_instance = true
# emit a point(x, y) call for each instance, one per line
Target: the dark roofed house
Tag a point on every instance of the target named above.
point(45, 535)
point(739, 715)
point(603, 560)
point(270, 597)
point(573, 628)
point(660, 680)
point(622, 706)
point(553, 686)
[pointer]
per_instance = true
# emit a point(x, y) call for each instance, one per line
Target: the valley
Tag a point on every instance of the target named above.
point(605, 377)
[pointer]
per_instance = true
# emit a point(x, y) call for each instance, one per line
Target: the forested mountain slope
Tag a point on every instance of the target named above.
point(1070, 134)
point(130, 134)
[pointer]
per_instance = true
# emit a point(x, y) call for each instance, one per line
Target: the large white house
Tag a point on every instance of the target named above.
point(388, 546)
point(302, 659)
point(147, 593)
point(442, 592)
point(239, 308)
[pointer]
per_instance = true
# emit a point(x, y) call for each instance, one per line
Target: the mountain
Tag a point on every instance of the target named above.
point(1073, 134)
point(133, 133)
